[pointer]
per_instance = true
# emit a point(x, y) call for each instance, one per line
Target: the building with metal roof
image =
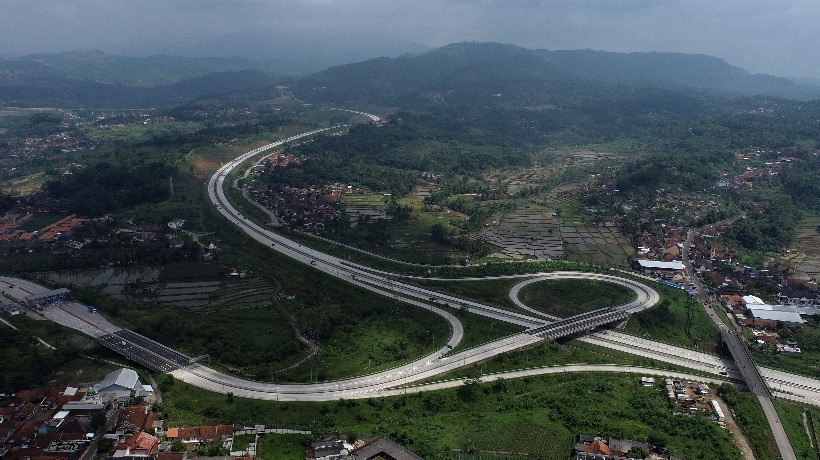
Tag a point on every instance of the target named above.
point(776, 315)
point(123, 384)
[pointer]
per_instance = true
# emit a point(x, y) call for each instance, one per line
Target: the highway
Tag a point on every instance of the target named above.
point(388, 284)
point(443, 360)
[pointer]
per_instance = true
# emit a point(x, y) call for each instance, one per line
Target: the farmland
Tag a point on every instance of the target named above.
point(524, 234)
point(808, 249)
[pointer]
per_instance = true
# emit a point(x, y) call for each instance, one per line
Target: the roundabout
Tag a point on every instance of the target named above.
point(645, 296)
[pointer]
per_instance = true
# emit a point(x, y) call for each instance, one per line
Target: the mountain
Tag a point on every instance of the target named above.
point(480, 70)
point(145, 71)
point(677, 69)
point(28, 83)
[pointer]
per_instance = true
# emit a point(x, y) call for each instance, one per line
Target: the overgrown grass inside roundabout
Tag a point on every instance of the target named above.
point(570, 297)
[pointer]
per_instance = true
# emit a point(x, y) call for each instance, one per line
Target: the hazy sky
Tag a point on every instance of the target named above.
point(779, 37)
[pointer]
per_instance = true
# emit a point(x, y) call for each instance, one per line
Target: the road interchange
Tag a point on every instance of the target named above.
point(440, 362)
point(436, 363)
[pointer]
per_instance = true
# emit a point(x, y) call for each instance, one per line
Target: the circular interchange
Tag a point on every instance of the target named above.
point(645, 296)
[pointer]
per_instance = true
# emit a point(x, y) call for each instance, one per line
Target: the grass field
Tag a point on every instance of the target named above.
point(564, 298)
point(676, 320)
point(474, 417)
point(39, 221)
point(184, 270)
point(798, 421)
point(24, 185)
point(750, 417)
point(242, 441)
point(282, 446)
point(260, 343)
point(134, 132)
point(480, 329)
point(372, 199)
point(493, 292)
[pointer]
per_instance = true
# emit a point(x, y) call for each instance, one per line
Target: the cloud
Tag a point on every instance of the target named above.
point(772, 36)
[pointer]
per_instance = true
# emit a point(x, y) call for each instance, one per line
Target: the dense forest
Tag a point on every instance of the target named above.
point(105, 187)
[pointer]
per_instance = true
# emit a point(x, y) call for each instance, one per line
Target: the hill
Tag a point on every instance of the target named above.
point(148, 71)
point(481, 70)
point(33, 83)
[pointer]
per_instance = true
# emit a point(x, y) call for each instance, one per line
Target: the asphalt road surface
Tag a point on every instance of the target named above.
point(752, 375)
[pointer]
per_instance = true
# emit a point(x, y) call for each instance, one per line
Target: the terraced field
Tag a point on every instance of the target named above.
point(213, 295)
point(600, 245)
point(525, 234)
point(808, 245)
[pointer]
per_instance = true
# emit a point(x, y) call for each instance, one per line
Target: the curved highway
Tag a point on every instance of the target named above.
point(437, 363)
point(644, 297)
point(790, 386)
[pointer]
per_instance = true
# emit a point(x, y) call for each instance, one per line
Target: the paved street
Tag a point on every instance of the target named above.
point(753, 376)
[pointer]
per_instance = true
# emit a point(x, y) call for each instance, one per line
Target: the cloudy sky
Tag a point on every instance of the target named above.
point(778, 37)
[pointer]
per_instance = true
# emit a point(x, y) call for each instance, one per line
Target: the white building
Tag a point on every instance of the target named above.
point(123, 384)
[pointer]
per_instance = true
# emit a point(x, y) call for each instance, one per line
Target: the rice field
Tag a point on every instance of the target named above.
point(525, 234)
point(807, 243)
point(598, 245)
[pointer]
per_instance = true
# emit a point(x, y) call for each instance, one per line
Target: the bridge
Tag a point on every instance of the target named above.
point(743, 358)
point(579, 323)
point(142, 350)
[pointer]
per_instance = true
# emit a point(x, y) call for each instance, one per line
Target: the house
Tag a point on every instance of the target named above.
point(141, 444)
point(596, 448)
point(803, 298)
point(123, 384)
point(200, 434)
point(137, 418)
point(328, 449)
point(383, 448)
point(176, 224)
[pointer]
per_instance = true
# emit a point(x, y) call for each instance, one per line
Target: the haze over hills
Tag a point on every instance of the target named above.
point(292, 52)
point(111, 81)
point(156, 70)
point(500, 68)
point(460, 71)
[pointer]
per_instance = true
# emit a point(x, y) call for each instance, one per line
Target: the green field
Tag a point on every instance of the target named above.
point(135, 132)
point(242, 441)
point(798, 420)
point(372, 199)
point(493, 292)
point(676, 320)
point(38, 221)
point(750, 417)
point(480, 329)
point(569, 297)
point(356, 333)
point(282, 446)
point(538, 415)
point(184, 270)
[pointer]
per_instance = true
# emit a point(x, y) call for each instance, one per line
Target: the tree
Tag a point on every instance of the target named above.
point(178, 446)
point(98, 420)
point(439, 234)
